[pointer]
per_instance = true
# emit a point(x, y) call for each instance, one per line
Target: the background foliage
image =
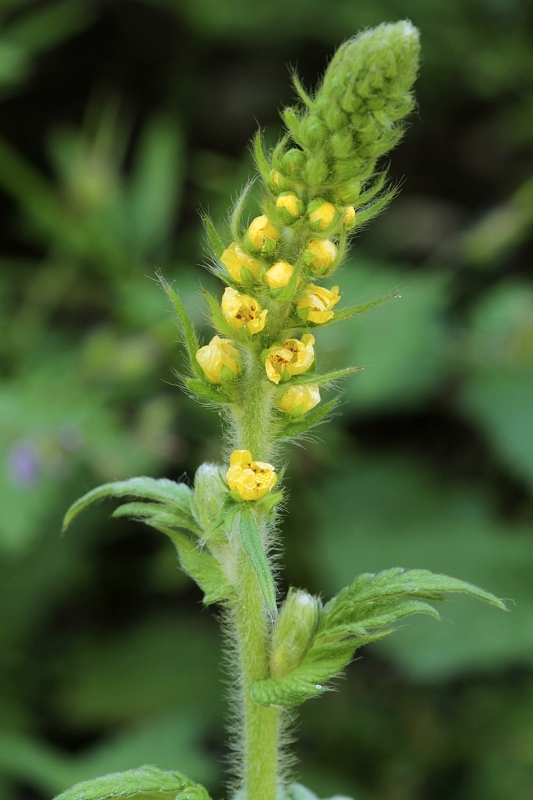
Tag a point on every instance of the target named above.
point(118, 121)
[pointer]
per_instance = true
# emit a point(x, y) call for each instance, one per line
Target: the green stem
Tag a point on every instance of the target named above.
point(260, 726)
point(253, 417)
point(259, 736)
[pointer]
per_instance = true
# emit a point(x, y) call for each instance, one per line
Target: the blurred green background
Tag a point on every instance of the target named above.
point(118, 121)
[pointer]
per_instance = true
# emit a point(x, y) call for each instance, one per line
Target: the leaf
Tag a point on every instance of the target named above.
point(361, 613)
point(356, 311)
point(292, 429)
point(217, 245)
point(186, 327)
point(238, 209)
point(176, 495)
point(328, 377)
point(298, 792)
point(207, 391)
point(199, 564)
point(382, 510)
point(251, 539)
point(145, 783)
point(260, 159)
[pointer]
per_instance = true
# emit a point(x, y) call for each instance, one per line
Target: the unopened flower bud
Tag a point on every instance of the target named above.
point(349, 192)
point(278, 275)
point(250, 479)
point(219, 359)
point(349, 217)
point(321, 214)
point(325, 255)
point(298, 400)
point(209, 494)
point(317, 303)
point(294, 631)
point(241, 309)
point(290, 207)
point(235, 258)
point(292, 161)
point(260, 231)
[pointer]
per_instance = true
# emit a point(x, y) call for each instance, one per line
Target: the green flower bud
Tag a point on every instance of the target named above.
point(294, 631)
point(210, 492)
point(316, 170)
point(292, 161)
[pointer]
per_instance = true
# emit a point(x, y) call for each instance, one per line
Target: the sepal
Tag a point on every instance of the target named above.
point(145, 783)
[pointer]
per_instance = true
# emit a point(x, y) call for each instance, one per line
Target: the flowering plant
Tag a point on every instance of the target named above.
point(320, 186)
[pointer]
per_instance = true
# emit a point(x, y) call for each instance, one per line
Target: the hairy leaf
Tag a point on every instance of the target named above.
point(176, 496)
point(145, 783)
point(207, 391)
point(186, 327)
point(361, 613)
point(328, 377)
point(251, 539)
point(217, 245)
point(355, 311)
point(296, 427)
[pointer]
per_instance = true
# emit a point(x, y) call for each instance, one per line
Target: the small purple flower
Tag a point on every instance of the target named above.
point(24, 463)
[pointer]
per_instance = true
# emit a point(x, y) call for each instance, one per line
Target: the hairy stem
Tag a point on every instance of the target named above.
point(260, 726)
point(259, 739)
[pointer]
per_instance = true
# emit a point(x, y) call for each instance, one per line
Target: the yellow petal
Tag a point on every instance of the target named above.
point(325, 253)
point(278, 275)
point(261, 229)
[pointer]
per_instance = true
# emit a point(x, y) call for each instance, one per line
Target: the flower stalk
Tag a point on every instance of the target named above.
point(320, 186)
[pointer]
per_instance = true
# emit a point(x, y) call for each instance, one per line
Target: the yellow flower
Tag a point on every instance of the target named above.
point(241, 309)
point(349, 216)
point(298, 400)
point(260, 230)
point(234, 259)
point(319, 301)
point(216, 355)
point(292, 358)
point(325, 254)
point(278, 275)
point(321, 216)
point(291, 204)
point(250, 479)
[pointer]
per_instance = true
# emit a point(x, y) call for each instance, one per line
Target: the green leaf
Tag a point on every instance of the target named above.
point(361, 613)
point(314, 417)
point(356, 311)
point(260, 159)
point(217, 245)
point(328, 377)
point(207, 391)
point(237, 212)
point(199, 564)
point(251, 539)
point(186, 327)
point(146, 783)
point(177, 496)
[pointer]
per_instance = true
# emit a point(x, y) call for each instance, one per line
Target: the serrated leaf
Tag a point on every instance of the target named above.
point(158, 513)
point(145, 783)
point(177, 496)
point(361, 597)
point(189, 336)
point(295, 428)
point(251, 539)
point(208, 392)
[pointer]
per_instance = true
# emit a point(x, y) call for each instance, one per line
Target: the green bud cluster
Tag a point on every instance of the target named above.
point(354, 117)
